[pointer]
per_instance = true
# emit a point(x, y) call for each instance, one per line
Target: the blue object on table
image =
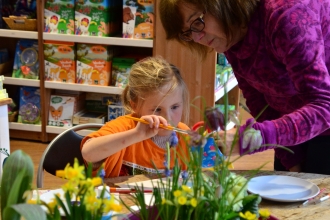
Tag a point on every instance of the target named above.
point(210, 153)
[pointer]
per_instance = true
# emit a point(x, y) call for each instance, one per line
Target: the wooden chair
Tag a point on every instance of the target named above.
point(62, 150)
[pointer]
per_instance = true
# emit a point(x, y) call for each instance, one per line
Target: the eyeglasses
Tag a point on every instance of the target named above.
point(196, 26)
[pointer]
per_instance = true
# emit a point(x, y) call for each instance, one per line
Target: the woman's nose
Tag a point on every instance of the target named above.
point(197, 36)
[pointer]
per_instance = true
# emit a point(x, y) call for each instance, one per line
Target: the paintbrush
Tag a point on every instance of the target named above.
point(171, 128)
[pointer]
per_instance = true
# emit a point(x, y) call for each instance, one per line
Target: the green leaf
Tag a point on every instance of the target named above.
point(89, 170)
point(61, 205)
point(16, 162)
point(28, 211)
point(14, 193)
point(9, 213)
point(251, 203)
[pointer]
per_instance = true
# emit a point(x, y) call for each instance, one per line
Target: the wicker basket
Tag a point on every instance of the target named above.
point(6, 68)
point(21, 23)
point(13, 116)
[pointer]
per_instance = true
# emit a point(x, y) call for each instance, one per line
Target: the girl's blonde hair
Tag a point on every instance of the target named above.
point(149, 76)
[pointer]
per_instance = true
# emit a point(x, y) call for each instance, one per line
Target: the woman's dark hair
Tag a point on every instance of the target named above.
point(231, 14)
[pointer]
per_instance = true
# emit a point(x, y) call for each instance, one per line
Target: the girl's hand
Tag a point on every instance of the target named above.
point(228, 148)
point(149, 130)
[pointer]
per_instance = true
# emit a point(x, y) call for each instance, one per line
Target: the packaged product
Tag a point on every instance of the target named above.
point(60, 64)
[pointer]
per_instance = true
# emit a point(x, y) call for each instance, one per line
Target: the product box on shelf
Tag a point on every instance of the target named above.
point(138, 19)
point(59, 16)
point(115, 111)
point(3, 92)
point(62, 108)
point(84, 117)
point(93, 64)
point(120, 71)
point(26, 61)
point(29, 105)
point(97, 17)
point(98, 102)
point(60, 64)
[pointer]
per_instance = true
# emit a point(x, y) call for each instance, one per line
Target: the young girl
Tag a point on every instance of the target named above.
point(156, 93)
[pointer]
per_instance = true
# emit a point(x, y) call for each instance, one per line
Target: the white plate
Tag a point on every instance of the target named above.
point(283, 188)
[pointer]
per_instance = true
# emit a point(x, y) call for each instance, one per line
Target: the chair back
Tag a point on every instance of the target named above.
point(62, 150)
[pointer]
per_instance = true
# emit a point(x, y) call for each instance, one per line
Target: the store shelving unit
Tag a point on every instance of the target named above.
point(220, 92)
point(21, 82)
point(198, 74)
point(83, 88)
point(100, 40)
point(18, 34)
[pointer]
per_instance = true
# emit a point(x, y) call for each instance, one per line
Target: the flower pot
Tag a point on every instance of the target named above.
point(152, 215)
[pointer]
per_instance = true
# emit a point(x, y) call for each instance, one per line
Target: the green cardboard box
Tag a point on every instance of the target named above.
point(59, 16)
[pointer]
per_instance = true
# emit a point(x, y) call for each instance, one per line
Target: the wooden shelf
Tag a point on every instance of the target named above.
point(100, 40)
point(219, 92)
point(24, 127)
point(21, 82)
point(198, 75)
point(83, 88)
point(18, 34)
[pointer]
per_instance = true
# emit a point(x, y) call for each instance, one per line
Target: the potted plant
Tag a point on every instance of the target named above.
point(201, 191)
point(79, 201)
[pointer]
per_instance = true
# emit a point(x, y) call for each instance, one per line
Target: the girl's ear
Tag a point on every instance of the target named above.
point(133, 105)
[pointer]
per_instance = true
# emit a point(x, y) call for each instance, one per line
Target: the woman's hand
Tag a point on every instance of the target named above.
point(296, 168)
point(146, 131)
point(228, 147)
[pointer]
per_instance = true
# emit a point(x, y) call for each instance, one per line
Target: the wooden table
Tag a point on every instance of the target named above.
point(281, 210)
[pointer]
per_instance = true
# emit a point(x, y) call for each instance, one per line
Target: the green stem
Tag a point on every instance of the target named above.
point(177, 213)
point(168, 155)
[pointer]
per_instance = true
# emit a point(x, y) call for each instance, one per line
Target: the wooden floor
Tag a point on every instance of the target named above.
point(35, 150)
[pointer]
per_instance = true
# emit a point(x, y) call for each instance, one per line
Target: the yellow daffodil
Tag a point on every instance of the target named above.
point(248, 215)
point(117, 207)
point(72, 173)
point(193, 202)
point(187, 189)
point(264, 213)
point(70, 187)
point(60, 173)
point(168, 202)
point(111, 205)
point(77, 172)
point(177, 193)
point(182, 200)
point(31, 201)
point(92, 203)
point(96, 181)
point(52, 204)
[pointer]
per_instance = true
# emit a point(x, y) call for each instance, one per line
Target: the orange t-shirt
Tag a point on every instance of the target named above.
point(141, 157)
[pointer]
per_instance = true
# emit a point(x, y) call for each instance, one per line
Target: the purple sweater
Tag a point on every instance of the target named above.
point(283, 61)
